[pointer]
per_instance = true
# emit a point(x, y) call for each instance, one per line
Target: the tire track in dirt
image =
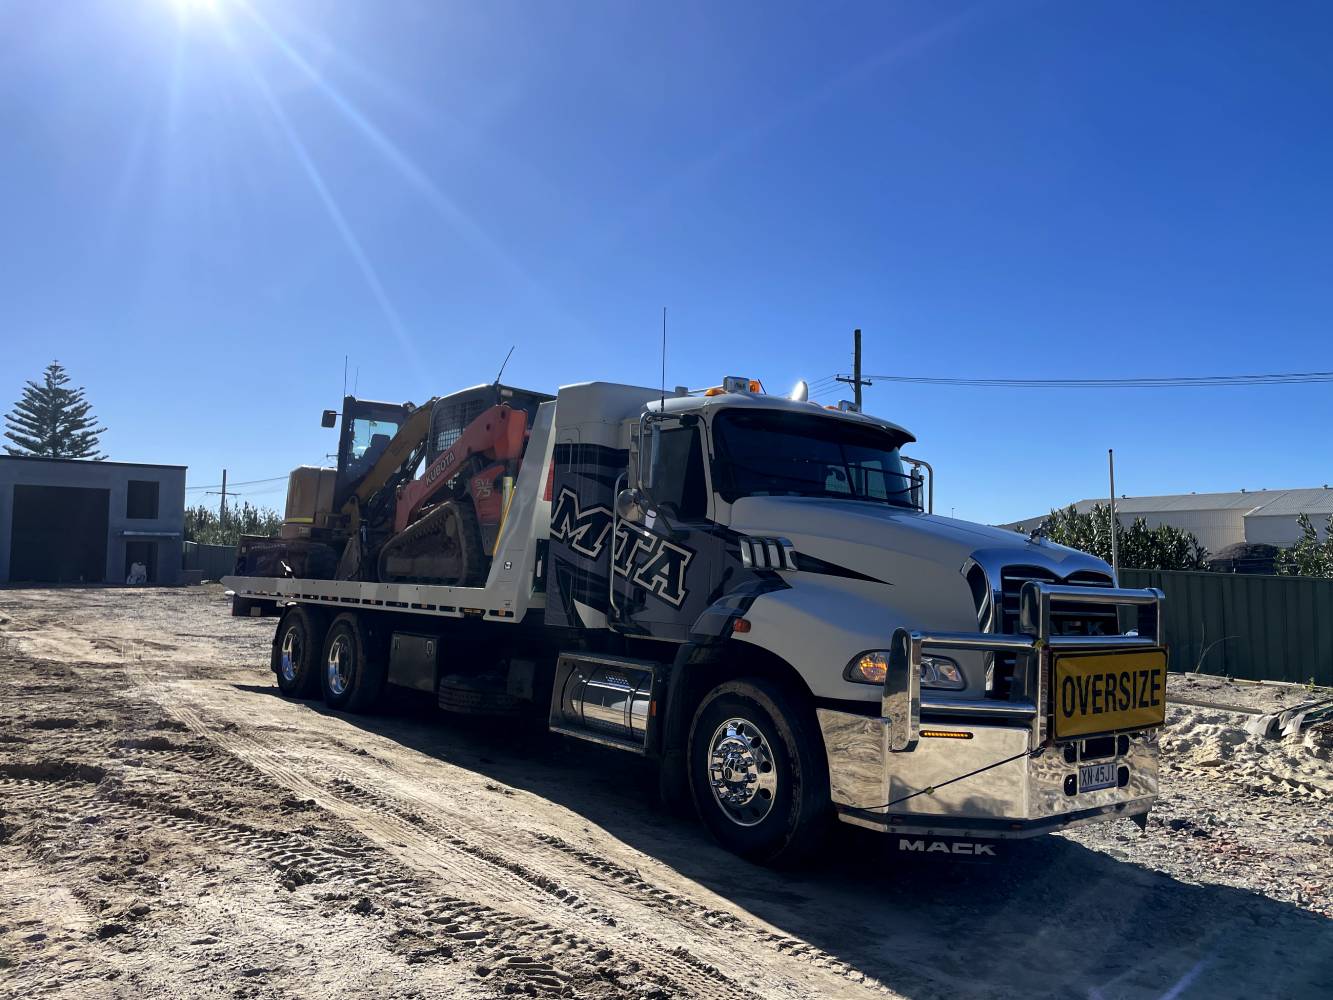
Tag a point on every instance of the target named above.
point(633, 883)
point(53, 919)
point(502, 939)
point(699, 927)
point(605, 901)
point(577, 865)
point(483, 874)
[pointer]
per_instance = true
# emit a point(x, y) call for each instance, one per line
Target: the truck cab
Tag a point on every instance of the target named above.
point(743, 535)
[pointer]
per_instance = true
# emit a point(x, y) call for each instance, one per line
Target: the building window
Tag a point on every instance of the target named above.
point(141, 500)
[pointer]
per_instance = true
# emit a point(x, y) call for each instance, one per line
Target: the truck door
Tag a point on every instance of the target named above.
point(664, 565)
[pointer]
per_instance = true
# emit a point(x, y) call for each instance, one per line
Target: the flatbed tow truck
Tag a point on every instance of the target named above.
point(750, 590)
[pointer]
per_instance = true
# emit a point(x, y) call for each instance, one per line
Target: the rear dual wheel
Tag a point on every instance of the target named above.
point(353, 665)
point(296, 650)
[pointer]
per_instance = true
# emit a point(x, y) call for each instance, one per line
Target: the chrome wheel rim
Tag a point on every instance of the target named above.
point(292, 648)
point(741, 772)
point(339, 664)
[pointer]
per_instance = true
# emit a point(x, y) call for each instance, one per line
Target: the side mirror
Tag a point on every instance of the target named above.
point(329, 419)
point(631, 505)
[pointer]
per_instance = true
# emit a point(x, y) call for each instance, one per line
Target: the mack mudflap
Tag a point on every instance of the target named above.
point(750, 590)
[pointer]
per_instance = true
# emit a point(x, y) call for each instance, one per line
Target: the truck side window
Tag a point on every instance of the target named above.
point(680, 474)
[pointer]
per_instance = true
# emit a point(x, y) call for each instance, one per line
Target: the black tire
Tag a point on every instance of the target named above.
point(358, 681)
point(787, 813)
point(297, 645)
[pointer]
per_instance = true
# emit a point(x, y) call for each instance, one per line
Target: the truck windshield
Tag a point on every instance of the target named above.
point(772, 453)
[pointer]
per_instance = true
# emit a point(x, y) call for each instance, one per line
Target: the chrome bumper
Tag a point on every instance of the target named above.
point(981, 767)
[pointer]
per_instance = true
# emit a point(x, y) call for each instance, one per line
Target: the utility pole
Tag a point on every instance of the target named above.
point(1115, 546)
point(222, 505)
point(856, 381)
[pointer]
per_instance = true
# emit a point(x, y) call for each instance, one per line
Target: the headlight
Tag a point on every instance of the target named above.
point(936, 671)
point(941, 672)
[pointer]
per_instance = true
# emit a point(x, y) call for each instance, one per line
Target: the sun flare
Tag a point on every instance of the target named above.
point(186, 7)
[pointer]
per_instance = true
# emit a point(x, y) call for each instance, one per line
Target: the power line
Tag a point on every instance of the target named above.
point(1143, 382)
point(251, 482)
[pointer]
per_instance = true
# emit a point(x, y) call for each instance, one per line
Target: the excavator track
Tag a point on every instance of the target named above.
point(442, 548)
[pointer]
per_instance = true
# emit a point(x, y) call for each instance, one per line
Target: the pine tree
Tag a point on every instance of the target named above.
point(53, 421)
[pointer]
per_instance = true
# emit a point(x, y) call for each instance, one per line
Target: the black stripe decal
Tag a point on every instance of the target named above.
point(810, 564)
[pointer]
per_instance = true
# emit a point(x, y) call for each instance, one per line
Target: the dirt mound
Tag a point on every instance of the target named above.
point(148, 743)
point(1217, 740)
point(53, 770)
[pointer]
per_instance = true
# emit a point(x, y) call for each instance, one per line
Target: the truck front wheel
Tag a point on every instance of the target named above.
point(757, 772)
point(352, 668)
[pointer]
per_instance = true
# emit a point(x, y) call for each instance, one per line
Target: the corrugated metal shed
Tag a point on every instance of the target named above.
point(1293, 502)
point(1244, 500)
point(1220, 519)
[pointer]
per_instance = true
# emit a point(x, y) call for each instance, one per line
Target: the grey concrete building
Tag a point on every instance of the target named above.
point(74, 521)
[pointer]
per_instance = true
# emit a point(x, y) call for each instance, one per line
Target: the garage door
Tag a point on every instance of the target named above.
point(58, 534)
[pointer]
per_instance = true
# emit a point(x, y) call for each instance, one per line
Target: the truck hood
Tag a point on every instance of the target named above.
point(894, 545)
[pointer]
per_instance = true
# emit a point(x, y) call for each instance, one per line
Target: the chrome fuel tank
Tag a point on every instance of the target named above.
point(603, 697)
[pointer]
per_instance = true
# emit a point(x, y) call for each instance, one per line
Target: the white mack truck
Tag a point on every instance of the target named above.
point(750, 590)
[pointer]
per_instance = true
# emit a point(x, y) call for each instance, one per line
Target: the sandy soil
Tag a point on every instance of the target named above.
point(170, 827)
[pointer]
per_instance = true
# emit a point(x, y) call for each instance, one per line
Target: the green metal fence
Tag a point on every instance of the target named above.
point(1258, 627)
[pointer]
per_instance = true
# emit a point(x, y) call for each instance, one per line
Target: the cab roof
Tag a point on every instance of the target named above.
point(781, 404)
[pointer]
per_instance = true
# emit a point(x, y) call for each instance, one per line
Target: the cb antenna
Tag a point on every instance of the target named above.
point(503, 366)
point(663, 403)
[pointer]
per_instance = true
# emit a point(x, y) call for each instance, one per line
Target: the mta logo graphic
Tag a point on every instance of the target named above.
point(584, 531)
point(647, 560)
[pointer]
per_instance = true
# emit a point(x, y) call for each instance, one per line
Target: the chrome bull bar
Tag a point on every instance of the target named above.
point(903, 705)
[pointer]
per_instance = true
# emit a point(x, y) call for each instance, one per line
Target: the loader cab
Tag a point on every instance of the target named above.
point(367, 428)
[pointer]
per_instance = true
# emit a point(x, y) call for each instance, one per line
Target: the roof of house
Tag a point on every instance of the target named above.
point(1293, 502)
point(86, 461)
point(1250, 503)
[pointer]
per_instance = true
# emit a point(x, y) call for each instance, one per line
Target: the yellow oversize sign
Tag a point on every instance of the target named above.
point(1093, 693)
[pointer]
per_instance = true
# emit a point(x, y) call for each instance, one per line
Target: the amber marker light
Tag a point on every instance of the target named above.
point(871, 667)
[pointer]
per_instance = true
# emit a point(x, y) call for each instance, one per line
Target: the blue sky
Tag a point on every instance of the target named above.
point(206, 205)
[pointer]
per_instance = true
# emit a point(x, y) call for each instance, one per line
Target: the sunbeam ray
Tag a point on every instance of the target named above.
point(386, 147)
point(336, 216)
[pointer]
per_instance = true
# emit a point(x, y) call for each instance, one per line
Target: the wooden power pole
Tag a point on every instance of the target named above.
point(222, 504)
point(856, 381)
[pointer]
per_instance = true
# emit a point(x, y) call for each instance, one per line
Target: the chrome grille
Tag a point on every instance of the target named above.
point(1066, 619)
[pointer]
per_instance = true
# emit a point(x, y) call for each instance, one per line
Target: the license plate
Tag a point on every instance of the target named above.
point(1094, 776)
point(1097, 693)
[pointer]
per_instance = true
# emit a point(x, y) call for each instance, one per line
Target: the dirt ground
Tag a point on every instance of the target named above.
point(170, 827)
